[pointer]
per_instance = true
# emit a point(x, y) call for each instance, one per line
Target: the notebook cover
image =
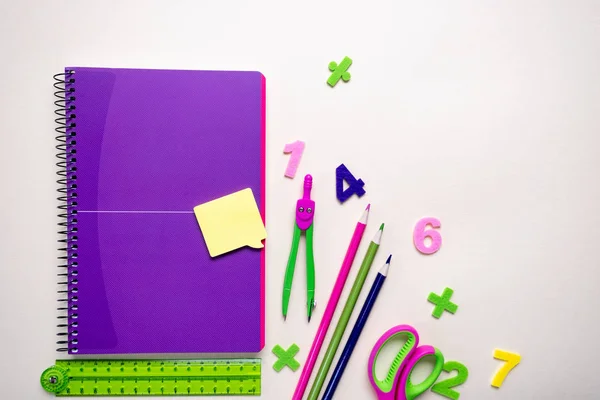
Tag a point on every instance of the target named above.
point(151, 145)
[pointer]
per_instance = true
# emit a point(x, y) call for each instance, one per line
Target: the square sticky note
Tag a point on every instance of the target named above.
point(231, 222)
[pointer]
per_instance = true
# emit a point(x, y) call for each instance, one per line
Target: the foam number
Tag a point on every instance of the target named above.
point(420, 233)
point(444, 387)
point(296, 149)
point(355, 186)
point(512, 360)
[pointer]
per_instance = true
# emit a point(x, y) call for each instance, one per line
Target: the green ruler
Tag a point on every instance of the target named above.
point(207, 377)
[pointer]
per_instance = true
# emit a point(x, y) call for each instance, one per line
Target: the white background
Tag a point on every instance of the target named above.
point(485, 114)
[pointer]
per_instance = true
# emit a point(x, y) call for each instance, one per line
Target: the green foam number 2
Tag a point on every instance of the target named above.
point(444, 388)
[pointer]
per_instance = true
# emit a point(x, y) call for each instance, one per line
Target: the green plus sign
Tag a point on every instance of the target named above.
point(286, 357)
point(442, 303)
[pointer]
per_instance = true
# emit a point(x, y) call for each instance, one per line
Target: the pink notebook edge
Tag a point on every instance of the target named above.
point(263, 209)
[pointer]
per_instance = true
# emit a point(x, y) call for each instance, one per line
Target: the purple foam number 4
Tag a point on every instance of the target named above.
point(296, 149)
point(355, 186)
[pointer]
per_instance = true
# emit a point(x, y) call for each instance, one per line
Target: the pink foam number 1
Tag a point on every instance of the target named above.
point(296, 148)
point(420, 234)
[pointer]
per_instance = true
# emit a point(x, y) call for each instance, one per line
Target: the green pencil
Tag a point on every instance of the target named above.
point(345, 317)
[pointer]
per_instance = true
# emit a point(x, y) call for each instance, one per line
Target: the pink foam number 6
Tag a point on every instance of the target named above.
point(420, 234)
point(296, 148)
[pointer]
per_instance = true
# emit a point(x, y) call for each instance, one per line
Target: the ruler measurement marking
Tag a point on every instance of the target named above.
point(157, 377)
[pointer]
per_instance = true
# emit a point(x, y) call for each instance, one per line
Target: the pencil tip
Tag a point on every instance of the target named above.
point(368, 207)
point(381, 227)
point(386, 267)
point(284, 317)
point(309, 318)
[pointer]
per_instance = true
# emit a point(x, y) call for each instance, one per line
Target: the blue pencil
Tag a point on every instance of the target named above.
point(358, 327)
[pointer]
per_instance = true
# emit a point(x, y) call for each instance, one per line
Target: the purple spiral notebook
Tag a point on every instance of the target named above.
point(141, 149)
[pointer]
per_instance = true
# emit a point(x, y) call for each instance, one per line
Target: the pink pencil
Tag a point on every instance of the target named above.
point(331, 305)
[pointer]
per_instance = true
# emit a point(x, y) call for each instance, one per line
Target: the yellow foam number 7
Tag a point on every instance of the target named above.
point(444, 388)
point(512, 360)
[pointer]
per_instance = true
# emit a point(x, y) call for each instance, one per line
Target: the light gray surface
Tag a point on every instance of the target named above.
point(484, 114)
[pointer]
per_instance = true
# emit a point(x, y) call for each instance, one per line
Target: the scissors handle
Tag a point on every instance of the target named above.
point(406, 389)
point(386, 388)
point(397, 384)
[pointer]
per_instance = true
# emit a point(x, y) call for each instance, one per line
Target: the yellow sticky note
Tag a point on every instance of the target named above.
point(231, 222)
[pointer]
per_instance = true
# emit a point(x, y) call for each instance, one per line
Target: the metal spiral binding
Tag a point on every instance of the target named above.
point(67, 180)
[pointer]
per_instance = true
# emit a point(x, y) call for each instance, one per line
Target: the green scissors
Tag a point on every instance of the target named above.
point(305, 213)
point(397, 384)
